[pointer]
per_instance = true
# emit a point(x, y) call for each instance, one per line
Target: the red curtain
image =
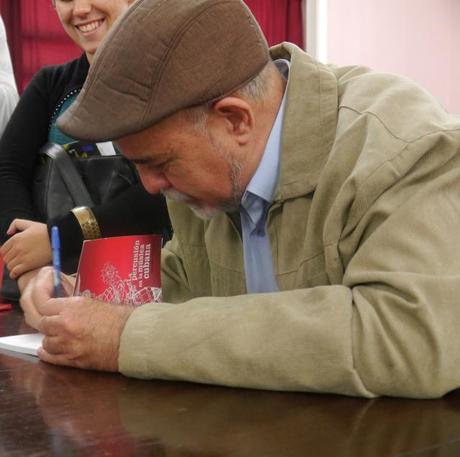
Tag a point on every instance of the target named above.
point(36, 37)
point(10, 12)
point(281, 20)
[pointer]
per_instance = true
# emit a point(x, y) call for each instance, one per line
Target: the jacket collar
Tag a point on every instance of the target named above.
point(309, 122)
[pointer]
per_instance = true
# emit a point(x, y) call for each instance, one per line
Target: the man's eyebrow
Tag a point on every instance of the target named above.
point(150, 160)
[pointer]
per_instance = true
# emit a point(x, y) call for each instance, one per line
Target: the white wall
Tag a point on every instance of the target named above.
point(417, 38)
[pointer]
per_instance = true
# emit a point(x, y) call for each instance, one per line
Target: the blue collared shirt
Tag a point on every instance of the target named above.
point(258, 262)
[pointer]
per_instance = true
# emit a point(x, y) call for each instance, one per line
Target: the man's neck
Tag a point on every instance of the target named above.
point(265, 111)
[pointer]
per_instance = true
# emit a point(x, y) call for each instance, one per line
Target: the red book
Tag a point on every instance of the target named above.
point(122, 269)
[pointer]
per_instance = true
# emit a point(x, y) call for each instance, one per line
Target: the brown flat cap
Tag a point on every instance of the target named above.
point(163, 56)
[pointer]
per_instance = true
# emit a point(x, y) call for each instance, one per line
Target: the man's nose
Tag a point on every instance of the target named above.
point(153, 182)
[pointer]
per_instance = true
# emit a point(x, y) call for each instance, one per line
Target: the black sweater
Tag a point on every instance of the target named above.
point(132, 212)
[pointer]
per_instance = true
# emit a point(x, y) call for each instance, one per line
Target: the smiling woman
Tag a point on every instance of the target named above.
point(33, 124)
point(87, 21)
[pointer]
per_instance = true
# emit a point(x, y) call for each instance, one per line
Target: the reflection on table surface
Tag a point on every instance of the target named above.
point(48, 410)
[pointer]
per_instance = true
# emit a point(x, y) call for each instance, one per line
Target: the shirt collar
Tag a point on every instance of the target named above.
point(265, 179)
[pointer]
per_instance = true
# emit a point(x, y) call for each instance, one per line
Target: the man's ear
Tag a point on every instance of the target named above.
point(236, 115)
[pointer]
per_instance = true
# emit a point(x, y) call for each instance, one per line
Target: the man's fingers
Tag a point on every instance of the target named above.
point(44, 283)
point(51, 325)
point(55, 359)
point(32, 317)
point(68, 284)
point(37, 292)
point(53, 345)
point(53, 306)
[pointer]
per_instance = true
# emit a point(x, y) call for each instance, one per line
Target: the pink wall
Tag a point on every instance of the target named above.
point(417, 38)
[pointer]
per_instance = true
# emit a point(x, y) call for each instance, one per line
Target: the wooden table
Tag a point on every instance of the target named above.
point(47, 410)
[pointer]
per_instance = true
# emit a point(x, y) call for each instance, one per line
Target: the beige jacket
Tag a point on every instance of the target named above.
point(365, 236)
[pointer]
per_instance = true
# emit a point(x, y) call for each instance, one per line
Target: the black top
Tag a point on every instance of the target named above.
point(30, 127)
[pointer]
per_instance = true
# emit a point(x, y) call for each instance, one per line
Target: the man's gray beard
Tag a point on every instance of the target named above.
point(205, 212)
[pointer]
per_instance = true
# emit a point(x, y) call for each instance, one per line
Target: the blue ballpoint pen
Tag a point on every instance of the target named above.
point(56, 248)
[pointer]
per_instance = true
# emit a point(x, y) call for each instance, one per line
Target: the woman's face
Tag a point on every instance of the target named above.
point(87, 21)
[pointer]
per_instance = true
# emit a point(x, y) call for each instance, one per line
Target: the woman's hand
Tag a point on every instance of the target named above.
point(28, 248)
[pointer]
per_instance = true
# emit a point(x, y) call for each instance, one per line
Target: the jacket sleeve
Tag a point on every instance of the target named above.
point(134, 211)
point(25, 133)
point(390, 327)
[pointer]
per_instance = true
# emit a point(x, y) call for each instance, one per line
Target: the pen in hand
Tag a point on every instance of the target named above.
point(56, 249)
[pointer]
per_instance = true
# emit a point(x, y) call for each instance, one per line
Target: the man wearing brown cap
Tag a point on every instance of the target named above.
point(316, 213)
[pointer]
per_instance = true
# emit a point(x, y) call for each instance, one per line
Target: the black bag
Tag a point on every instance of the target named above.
point(66, 179)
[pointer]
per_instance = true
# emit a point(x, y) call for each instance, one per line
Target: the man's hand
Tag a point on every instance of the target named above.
point(82, 332)
point(28, 248)
point(37, 288)
point(25, 278)
point(79, 331)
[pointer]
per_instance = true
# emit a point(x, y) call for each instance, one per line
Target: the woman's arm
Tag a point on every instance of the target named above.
point(24, 134)
point(133, 212)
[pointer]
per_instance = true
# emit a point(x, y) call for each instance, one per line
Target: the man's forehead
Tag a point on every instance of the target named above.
point(171, 136)
point(141, 140)
point(159, 131)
